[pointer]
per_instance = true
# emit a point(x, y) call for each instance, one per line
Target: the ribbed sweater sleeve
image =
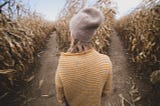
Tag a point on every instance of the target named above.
point(108, 84)
point(59, 88)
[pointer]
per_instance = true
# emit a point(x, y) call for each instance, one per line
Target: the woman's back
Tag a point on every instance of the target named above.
point(83, 76)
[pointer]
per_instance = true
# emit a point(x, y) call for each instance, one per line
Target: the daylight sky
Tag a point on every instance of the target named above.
point(50, 8)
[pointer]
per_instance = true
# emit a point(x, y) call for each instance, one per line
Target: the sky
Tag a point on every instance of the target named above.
point(125, 6)
point(51, 8)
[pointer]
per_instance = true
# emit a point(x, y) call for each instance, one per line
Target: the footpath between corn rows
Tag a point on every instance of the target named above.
point(129, 88)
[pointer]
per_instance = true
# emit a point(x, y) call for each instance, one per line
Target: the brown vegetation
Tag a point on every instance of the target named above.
point(140, 32)
point(20, 40)
point(23, 34)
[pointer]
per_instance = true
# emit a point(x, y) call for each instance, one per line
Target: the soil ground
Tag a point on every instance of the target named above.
point(129, 87)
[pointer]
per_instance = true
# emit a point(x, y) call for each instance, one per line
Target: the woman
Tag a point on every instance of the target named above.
point(83, 75)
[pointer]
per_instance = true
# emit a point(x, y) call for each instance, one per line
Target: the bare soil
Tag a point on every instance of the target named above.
point(130, 88)
point(42, 90)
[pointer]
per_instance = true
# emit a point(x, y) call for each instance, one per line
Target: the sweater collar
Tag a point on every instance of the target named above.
point(75, 54)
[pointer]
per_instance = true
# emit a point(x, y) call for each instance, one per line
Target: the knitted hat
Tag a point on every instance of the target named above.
point(84, 24)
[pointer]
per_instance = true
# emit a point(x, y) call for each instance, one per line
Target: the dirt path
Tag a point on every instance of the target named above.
point(128, 88)
point(42, 92)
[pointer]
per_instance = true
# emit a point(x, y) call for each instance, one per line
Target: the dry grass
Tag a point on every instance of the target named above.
point(140, 32)
point(20, 40)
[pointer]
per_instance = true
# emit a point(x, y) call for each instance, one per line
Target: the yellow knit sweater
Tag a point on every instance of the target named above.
point(82, 78)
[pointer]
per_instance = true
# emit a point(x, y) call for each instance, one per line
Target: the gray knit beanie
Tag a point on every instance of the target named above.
point(84, 24)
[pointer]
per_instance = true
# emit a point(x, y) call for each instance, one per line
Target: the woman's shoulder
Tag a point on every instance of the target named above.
point(104, 57)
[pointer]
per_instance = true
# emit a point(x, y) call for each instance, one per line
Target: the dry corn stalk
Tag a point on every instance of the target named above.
point(140, 32)
point(155, 77)
point(20, 40)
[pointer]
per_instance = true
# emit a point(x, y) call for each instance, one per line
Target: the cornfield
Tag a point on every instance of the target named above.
point(20, 40)
point(102, 36)
point(23, 33)
point(140, 32)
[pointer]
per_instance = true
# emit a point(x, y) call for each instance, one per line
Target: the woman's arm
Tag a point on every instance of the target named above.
point(59, 89)
point(108, 85)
